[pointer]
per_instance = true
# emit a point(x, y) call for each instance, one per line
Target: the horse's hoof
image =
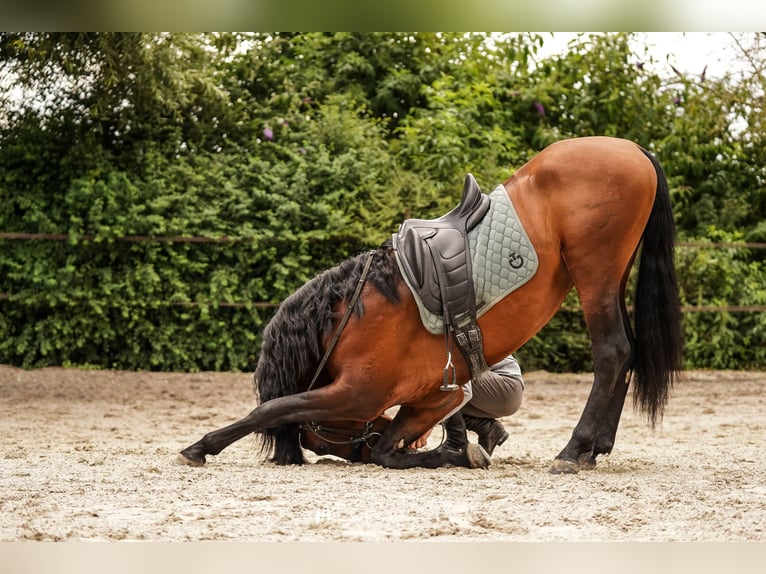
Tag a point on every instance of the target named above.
point(183, 459)
point(587, 462)
point(477, 457)
point(561, 466)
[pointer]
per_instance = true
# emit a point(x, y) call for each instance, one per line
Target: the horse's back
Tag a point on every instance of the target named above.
point(575, 169)
point(584, 204)
point(585, 191)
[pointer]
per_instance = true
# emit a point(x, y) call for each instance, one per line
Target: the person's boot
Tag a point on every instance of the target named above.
point(491, 432)
point(454, 427)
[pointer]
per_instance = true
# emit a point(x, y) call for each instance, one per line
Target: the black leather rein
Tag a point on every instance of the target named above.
point(346, 317)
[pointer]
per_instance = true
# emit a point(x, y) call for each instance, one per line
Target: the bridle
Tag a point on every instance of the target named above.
point(322, 432)
point(346, 317)
point(317, 428)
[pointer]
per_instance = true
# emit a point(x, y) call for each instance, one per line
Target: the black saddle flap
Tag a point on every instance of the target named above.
point(431, 249)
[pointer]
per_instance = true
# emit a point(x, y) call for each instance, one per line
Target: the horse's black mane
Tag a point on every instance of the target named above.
point(292, 341)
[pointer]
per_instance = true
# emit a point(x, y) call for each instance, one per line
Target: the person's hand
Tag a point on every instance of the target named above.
point(421, 442)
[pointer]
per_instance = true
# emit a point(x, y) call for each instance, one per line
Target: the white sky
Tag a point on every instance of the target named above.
point(689, 52)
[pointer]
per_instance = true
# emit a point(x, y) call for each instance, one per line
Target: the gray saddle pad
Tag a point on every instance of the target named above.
point(502, 257)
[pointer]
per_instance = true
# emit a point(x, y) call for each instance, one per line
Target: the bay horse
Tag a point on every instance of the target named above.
point(587, 204)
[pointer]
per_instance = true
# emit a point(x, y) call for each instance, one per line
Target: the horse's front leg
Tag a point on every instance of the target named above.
point(409, 424)
point(326, 403)
point(215, 441)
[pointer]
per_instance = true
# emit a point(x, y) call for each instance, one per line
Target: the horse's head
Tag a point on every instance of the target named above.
point(291, 357)
point(349, 440)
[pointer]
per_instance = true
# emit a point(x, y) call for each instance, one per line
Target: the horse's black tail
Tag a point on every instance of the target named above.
point(658, 357)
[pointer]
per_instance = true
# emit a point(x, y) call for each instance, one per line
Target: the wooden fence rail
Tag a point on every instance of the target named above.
point(23, 236)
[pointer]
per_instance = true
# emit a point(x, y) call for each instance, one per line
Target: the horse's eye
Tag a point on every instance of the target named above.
point(321, 449)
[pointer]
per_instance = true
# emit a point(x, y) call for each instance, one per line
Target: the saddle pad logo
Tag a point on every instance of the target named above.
point(516, 261)
point(502, 258)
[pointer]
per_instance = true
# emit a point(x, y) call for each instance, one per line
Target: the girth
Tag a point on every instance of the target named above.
point(435, 256)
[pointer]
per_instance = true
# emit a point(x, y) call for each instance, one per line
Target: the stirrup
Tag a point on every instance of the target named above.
point(449, 373)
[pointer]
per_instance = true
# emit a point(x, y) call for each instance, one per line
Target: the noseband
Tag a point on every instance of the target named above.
point(322, 432)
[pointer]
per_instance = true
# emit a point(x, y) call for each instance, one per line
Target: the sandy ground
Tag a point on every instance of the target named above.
point(91, 455)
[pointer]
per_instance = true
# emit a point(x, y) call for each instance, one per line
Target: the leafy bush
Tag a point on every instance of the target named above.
point(295, 151)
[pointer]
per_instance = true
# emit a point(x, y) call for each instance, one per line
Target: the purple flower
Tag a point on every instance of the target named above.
point(677, 101)
point(268, 134)
point(540, 109)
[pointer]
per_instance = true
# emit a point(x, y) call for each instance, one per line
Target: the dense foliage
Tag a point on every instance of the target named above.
point(295, 151)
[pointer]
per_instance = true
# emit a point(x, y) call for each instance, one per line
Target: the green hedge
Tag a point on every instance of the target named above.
point(307, 148)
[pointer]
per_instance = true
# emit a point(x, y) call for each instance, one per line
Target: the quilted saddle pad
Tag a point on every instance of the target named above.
point(502, 258)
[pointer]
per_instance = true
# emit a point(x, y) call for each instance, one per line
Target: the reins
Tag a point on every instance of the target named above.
point(322, 431)
point(346, 317)
point(316, 428)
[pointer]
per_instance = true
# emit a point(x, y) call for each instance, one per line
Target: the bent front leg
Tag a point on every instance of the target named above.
point(326, 403)
point(455, 451)
point(217, 440)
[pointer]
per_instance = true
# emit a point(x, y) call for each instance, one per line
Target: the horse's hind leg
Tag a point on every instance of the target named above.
point(594, 433)
point(608, 431)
